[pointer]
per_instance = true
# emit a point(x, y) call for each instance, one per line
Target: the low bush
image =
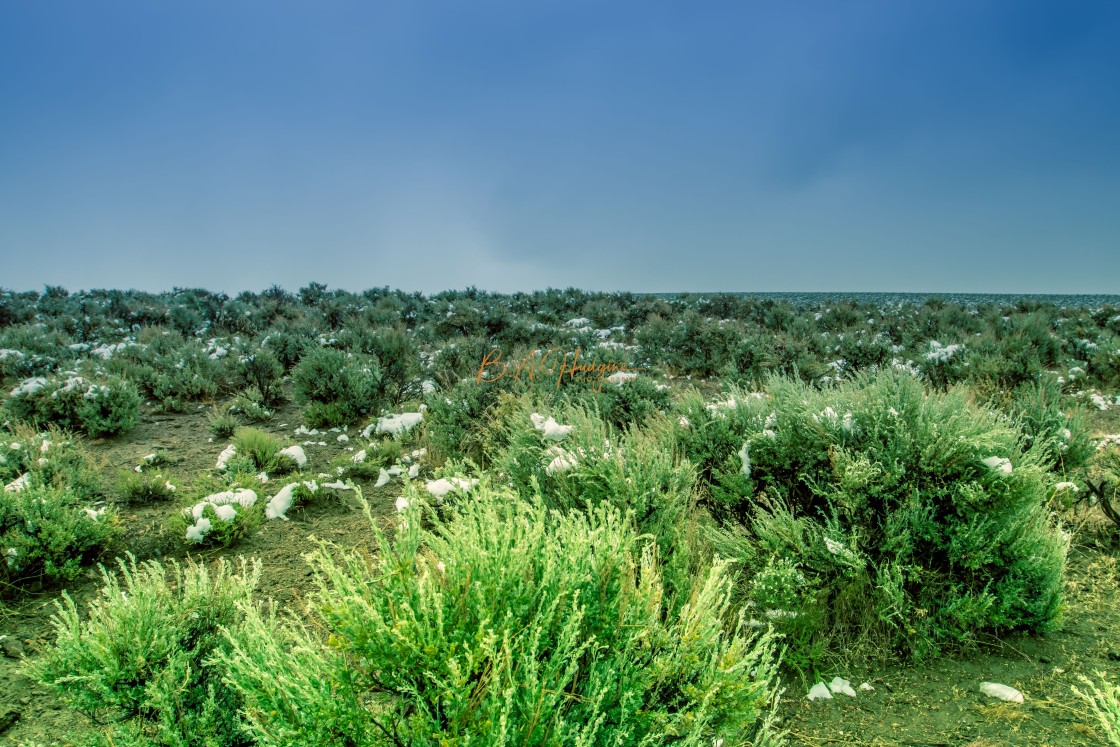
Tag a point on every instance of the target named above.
point(47, 533)
point(140, 662)
point(222, 424)
point(51, 457)
point(110, 408)
point(1054, 425)
point(220, 516)
point(457, 421)
point(503, 625)
point(337, 388)
point(631, 402)
point(264, 372)
point(262, 450)
point(144, 487)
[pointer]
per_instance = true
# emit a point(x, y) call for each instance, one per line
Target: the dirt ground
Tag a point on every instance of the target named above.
point(938, 704)
point(29, 713)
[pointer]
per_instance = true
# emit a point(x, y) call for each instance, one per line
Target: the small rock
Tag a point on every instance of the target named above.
point(1003, 692)
point(867, 688)
point(11, 647)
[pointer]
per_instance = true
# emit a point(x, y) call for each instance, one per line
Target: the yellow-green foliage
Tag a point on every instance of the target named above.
point(505, 624)
point(1104, 700)
point(138, 661)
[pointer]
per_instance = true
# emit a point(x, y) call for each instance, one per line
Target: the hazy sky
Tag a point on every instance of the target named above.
point(521, 144)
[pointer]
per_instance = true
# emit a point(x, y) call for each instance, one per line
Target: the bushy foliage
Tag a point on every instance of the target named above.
point(146, 486)
point(1053, 425)
point(262, 371)
point(636, 472)
point(503, 625)
point(50, 457)
point(222, 424)
point(139, 662)
point(47, 533)
point(917, 519)
point(630, 402)
point(396, 354)
point(170, 371)
point(110, 408)
point(457, 421)
point(337, 388)
point(220, 515)
point(105, 407)
point(1104, 700)
point(262, 450)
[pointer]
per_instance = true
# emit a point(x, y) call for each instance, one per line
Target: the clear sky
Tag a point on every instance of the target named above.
point(880, 145)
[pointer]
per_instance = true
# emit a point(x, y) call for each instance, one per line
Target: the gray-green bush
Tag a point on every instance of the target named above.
point(916, 518)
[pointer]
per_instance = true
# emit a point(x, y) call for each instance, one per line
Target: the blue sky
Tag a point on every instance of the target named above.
point(647, 146)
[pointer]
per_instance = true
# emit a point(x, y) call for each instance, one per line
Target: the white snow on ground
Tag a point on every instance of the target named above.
point(225, 456)
point(398, 424)
point(28, 386)
point(999, 463)
point(552, 430)
point(296, 454)
point(441, 487)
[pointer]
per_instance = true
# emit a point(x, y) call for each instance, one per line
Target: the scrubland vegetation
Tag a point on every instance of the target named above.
point(735, 499)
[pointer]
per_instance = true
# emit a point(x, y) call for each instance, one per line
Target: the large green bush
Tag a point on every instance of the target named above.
point(337, 388)
point(504, 625)
point(139, 661)
point(916, 519)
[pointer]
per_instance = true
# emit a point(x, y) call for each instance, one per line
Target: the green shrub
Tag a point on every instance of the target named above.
point(262, 449)
point(171, 371)
point(396, 353)
point(288, 346)
point(337, 388)
point(636, 472)
point(140, 663)
point(105, 407)
point(710, 435)
point(250, 406)
point(47, 534)
point(51, 457)
point(144, 487)
point(222, 424)
point(457, 421)
point(503, 625)
point(631, 402)
point(1105, 704)
point(264, 372)
point(109, 409)
point(917, 517)
point(222, 517)
point(1054, 425)
point(459, 360)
